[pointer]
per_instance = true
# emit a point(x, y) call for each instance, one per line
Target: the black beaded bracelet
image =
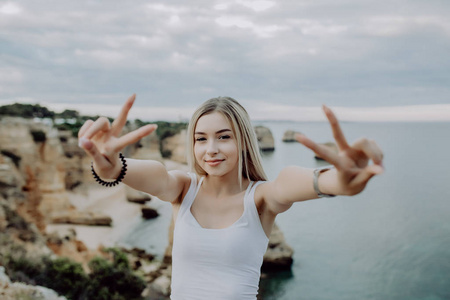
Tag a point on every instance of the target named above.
point(111, 183)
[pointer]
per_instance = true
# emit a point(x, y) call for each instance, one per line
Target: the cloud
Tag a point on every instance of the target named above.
point(342, 53)
point(397, 25)
point(10, 8)
point(265, 31)
point(258, 5)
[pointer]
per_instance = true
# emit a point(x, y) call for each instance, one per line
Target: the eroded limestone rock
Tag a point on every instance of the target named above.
point(265, 138)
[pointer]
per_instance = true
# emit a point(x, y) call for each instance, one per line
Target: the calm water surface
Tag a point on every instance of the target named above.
point(392, 241)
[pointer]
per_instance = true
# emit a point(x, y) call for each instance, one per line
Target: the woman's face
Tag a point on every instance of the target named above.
point(215, 145)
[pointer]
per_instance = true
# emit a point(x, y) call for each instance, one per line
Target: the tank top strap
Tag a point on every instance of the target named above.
point(252, 211)
point(198, 185)
point(249, 197)
point(247, 191)
point(188, 199)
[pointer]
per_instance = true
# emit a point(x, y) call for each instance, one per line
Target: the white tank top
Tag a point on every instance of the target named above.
point(219, 264)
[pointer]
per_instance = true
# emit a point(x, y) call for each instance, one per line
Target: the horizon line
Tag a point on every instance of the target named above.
point(269, 112)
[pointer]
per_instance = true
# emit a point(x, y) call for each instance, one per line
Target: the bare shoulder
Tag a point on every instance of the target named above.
point(266, 214)
point(264, 191)
point(261, 190)
point(180, 183)
point(181, 176)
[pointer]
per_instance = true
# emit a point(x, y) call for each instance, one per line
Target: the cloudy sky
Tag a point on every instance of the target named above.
point(281, 59)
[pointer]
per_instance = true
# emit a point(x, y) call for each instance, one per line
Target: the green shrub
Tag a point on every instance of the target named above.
point(26, 111)
point(113, 280)
point(64, 276)
point(120, 259)
point(68, 114)
point(168, 129)
point(74, 128)
point(23, 269)
point(107, 280)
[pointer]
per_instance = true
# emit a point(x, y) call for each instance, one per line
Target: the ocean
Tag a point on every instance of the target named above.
point(392, 241)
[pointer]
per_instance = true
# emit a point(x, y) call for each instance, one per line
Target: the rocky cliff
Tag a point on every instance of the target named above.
point(265, 138)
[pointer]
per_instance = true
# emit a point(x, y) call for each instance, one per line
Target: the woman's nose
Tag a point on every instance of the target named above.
point(212, 148)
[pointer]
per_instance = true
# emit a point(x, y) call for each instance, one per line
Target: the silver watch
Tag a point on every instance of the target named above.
point(316, 181)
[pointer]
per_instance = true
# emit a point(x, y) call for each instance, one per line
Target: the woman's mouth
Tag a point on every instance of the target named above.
point(214, 162)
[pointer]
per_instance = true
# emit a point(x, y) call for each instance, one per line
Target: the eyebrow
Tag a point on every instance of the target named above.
point(217, 132)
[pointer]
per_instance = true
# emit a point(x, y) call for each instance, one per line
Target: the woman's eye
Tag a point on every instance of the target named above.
point(224, 137)
point(200, 139)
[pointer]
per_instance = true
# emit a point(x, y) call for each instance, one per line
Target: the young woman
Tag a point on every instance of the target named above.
point(225, 208)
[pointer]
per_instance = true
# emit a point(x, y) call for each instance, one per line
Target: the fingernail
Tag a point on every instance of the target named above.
point(82, 141)
point(379, 170)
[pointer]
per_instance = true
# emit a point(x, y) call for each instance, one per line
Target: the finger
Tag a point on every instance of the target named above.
point(89, 147)
point(323, 151)
point(121, 120)
point(370, 149)
point(336, 128)
point(101, 124)
point(366, 174)
point(85, 127)
point(134, 136)
point(380, 154)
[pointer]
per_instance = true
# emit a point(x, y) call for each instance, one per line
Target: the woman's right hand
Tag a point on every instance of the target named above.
point(102, 141)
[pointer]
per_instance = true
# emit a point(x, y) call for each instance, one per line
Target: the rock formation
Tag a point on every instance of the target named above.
point(176, 146)
point(136, 196)
point(147, 148)
point(38, 153)
point(279, 254)
point(148, 212)
point(289, 136)
point(265, 138)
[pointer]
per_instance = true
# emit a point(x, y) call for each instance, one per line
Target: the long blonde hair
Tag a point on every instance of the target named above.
point(250, 166)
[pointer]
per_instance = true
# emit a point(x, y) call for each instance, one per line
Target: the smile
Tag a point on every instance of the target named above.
point(214, 163)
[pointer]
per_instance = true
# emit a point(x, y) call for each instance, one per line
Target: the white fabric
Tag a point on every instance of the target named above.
point(220, 264)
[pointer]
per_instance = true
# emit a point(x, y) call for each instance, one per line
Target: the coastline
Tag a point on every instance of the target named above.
point(110, 201)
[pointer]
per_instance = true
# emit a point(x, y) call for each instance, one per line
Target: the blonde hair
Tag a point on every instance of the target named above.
point(250, 166)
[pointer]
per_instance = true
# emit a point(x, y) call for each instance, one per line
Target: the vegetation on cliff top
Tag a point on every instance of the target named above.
point(71, 119)
point(26, 111)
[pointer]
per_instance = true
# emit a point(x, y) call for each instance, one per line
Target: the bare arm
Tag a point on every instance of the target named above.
point(350, 176)
point(102, 142)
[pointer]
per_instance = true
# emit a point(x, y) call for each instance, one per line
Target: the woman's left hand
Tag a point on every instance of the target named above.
point(351, 161)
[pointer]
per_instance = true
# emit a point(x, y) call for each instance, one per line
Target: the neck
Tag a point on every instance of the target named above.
point(221, 186)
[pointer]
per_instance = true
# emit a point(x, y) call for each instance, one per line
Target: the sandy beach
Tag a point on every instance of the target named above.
point(110, 201)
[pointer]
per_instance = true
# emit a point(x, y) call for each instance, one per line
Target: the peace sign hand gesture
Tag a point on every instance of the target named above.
point(102, 141)
point(351, 162)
